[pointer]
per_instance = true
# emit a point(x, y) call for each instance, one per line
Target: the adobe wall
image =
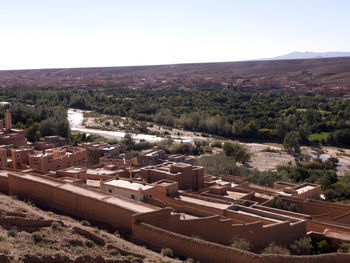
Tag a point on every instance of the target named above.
point(320, 227)
point(309, 207)
point(281, 212)
point(50, 162)
point(313, 193)
point(70, 202)
point(190, 247)
point(208, 252)
point(179, 208)
point(182, 205)
point(3, 183)
point(17, 138)
point(198, 249)
point(226, 231)
point(344, 219)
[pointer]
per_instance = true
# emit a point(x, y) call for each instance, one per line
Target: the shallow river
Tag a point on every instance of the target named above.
point(76, 117)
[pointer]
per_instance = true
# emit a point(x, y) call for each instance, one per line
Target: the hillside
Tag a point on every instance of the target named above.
point(30, 234)
point(328, 71)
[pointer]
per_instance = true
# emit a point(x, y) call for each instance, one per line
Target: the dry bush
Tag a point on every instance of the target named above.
point(275, 249)
point(242, 244)
point(167, 252)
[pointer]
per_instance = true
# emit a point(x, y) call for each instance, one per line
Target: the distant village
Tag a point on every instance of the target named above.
point(301, 83)
point(165, 201)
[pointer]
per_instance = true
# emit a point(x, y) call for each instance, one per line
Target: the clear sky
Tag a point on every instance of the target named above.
point(86, 33)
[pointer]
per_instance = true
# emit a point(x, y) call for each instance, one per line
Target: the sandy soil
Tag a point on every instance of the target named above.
point(264, 160)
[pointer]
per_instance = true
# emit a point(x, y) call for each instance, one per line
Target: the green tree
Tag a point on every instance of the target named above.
point(237, 151)
point(218, 164)
point(291, 142)
point(33, 132)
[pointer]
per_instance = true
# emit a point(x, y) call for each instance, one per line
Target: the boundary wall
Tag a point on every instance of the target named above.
point(128, 214)
point(78, 201)
point(208, 252)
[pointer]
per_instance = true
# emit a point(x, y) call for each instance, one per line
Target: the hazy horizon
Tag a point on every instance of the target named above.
point(66, 34)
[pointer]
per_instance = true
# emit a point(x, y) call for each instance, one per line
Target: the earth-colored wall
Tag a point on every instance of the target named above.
point(71, 202)
point(208, 252)
point(226, 231)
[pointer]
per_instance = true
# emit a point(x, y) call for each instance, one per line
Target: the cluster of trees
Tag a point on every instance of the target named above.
point(317, 171)
point(227, 112)
point(38, 121)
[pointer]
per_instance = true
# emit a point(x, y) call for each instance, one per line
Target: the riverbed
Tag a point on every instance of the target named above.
point(76, 118)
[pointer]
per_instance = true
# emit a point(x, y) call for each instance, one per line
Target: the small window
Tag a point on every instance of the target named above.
point(109, 190)
point(133, 197)
point(17, 155)
point(150, 196)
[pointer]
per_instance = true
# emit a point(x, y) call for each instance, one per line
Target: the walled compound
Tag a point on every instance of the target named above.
point(168, 204)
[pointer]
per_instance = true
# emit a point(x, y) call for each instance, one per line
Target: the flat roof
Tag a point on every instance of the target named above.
point(128, 185)
point(166, 183)
point(305, 189)
point(203, 202)
point(93, 183)
point(73, 170)
point(100, 171)
point(235, 195)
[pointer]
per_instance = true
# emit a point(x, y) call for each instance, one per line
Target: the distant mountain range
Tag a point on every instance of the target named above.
point(310, 55)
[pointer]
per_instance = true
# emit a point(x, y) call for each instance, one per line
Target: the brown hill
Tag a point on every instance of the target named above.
point(327, 70)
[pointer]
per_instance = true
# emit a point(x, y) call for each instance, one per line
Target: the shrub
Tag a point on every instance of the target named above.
point(207, 149)
point(275, 249)
point(2, 238)
point(186, 148)
point(56, 226)
point(242, 244)
point(217, 164)
point(37, 237)
point(216, 144)
point(280, 204)
point(344, 248)
point(85, 223)
point(302, 246)
point(89, 243)
point(323, 246)
point(76, 242)
point(270, 150)
point(115, 252)
point(12, 232)
point(167, 252)
point(237, 151)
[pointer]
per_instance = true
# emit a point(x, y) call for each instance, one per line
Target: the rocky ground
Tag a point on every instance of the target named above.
point(30, 234)
point(266, 157)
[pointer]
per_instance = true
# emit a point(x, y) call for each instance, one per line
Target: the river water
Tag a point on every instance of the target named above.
point(76, 117)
